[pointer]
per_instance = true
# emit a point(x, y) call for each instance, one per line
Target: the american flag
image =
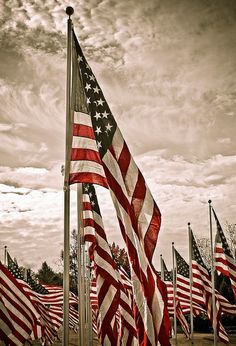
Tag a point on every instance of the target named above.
point(48, 305)
point(113, 300)
point(202, 280)
point(17, 314)
point(105, 159)
point(224, 260)
point(168, 279)
point(183, 282)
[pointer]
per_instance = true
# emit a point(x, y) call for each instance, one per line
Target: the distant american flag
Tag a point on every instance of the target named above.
point(100, 155)
point(202, 280)
point(224, 260)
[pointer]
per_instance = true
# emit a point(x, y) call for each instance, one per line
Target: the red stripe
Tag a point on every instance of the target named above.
point(80, 130)
point(87, 177)
point(81, 154)
point(124, 160)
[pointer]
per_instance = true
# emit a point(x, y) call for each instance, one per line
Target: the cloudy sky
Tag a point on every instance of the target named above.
point(167, 69)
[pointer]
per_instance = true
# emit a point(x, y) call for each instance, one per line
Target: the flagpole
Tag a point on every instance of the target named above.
point(81, 264)
point(88, 306)
point(174, 289)
point(66, 277)
point(190, 279)
point(5, 255)
point(213, 278)
point(162, 268)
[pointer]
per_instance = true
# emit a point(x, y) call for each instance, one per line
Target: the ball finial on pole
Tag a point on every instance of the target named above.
point(69, 11)
point(209, 201)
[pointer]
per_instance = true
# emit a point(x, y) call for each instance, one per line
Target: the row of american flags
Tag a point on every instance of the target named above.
point(32, 311)
point(126, 310)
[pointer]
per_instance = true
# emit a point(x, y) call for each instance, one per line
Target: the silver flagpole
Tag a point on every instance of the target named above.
point(190, 279)
point(5, 255)
point(213, 278)
point(66, 277)
point(174, 288)
point(89, 317)
point(81, 264)
point(162, 268)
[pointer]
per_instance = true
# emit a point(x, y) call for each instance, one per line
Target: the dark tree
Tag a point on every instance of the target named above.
point(47, 276)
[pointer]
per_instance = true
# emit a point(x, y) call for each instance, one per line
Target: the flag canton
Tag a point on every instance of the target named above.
point(90, 190)
point(104, 124)
point(182, 265)
point(196, 254)
point(168, 275)
point(220, 237)
point(36, 286)
point(14, 268)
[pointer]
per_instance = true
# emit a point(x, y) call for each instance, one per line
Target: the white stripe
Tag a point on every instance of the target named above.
point(84, 143)
point(82, 119)
point(86, 167)
point(113, 167)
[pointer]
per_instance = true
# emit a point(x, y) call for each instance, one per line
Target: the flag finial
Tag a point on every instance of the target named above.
point(189, 223)
point(209, 201)
point(69, 11)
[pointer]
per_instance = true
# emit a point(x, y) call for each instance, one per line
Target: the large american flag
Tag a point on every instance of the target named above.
point(224, 260)
point(100, 155)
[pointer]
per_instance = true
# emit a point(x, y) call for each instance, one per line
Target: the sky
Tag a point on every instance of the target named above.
point(168, 71)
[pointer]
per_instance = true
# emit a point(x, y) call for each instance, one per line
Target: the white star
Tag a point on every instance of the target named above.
point(86, 188)
point(88, 100)
point(97, 116)
point(91, 77)
point(105, 114)
point(90, 194)
point(87, 86)
point(98, 130)
point(93, 203)
point(108, 127)
point(96, 89)
point(99, 144)
point(100, 102)
point(80, 58)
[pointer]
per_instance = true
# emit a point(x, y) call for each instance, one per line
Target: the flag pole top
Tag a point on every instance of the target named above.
point(189, 223)
point(209, 201)
point(69, 11)
point(5, 247)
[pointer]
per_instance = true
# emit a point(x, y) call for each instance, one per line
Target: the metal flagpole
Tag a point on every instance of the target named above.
point(174, 288)
point(89, 317)
point(66, 278)
point(5, 255)
point(213, 279)
point(81, 265)
point(162, 269)
point(190, 279)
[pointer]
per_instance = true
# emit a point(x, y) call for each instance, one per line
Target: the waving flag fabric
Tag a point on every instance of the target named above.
point(105, 159)
point(224, 260)
point(17, 315)
point(202, 280)
point(170, 292)
point(47, 301)
point(116, 316)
